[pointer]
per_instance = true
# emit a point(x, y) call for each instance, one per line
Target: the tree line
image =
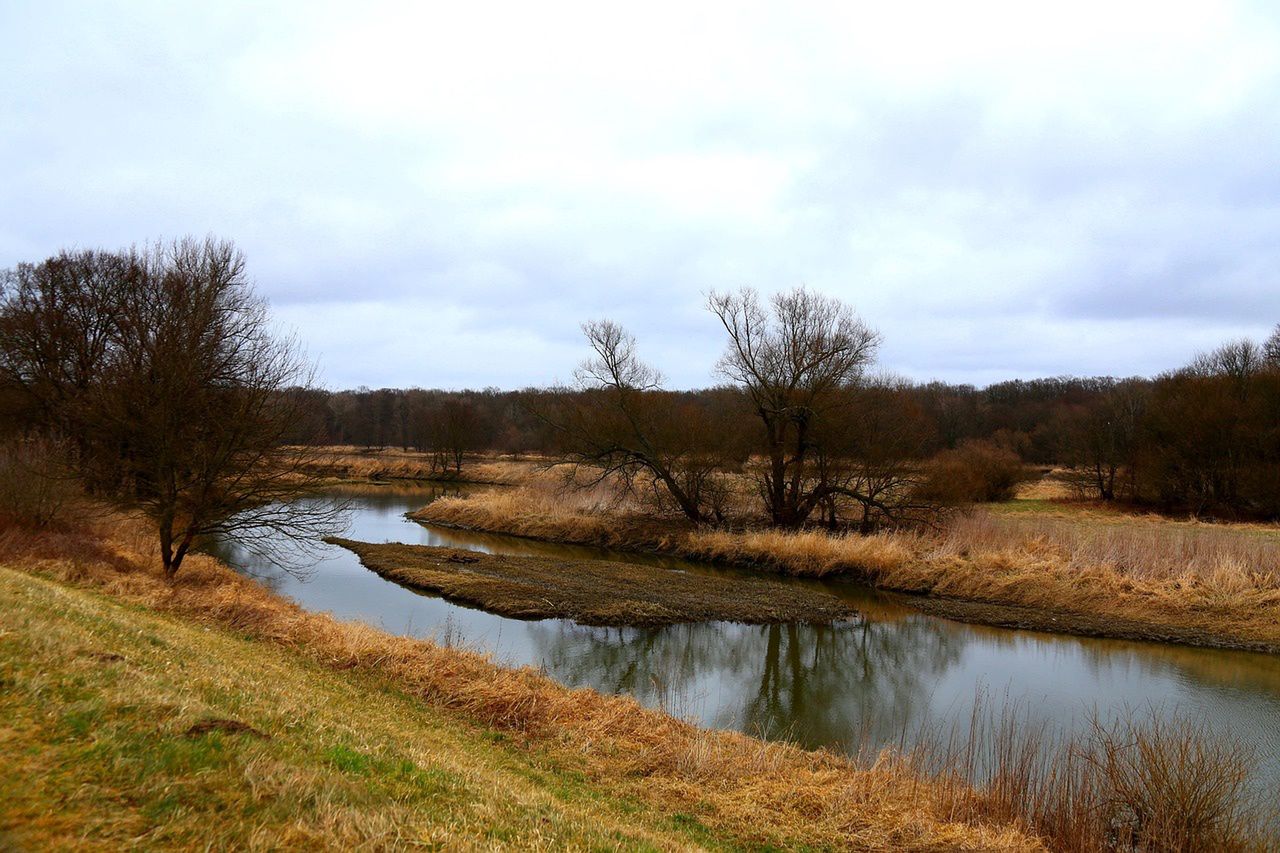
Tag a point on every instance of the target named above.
point(1202, 439)
point(156, 375)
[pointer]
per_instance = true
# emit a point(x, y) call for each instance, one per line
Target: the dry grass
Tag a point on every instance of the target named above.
point(1189, 582)
point(808, 553)
point(1140, 782)
point(128, 729)
point(544, 511)
point(390, 464)
point(739, 788)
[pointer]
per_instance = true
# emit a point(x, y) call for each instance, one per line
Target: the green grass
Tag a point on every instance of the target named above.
point(98, 701)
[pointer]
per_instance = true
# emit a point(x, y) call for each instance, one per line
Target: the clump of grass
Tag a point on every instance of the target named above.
point(810, 553)
point(544, 511)
point(1138, 782)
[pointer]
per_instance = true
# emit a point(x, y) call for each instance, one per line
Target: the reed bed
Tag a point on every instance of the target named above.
point(1141, 781)
point(1135, 547)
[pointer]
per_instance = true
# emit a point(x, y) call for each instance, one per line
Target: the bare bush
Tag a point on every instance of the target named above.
point(36, 484)
point(974, 472)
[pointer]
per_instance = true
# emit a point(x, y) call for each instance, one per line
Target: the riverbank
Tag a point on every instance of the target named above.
point(593, 592)
point(213, 713)
point(1123, 577)
point(358, 465)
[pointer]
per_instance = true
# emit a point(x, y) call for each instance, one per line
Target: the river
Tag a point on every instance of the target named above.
point(878, 681)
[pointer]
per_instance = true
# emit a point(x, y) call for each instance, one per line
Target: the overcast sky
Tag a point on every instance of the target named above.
point(438, 194)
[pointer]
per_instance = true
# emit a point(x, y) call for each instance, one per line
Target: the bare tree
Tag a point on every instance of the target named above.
point(868, 457)
point(1271, 347)
point(457, 430)
point(617, 421)
point(1100, 441)
point(173, 386)
point(793, 361)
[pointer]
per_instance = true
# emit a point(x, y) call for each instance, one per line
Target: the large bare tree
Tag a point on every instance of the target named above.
point(617, 421)
point(160, 364)
point(795, 360)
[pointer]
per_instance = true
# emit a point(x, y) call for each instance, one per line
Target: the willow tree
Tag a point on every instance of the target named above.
point(161, 366)
point(618, 423)
point(795, 360)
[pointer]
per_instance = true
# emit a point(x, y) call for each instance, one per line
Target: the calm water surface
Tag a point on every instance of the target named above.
point(878, 680)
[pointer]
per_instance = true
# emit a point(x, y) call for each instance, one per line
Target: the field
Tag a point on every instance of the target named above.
point(387, 465)
point(1062, 565)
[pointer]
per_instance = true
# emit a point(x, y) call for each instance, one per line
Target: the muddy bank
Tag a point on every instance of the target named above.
point(593, 592)
point(1075, 624)
point(336, 477)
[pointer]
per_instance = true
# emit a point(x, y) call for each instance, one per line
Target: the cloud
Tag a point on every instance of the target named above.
point(438, 195)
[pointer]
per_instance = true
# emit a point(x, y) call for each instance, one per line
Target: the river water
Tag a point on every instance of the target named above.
point(878, 681)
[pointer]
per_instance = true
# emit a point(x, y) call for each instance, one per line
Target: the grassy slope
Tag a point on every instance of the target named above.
point(97, 698)
point(360, 721)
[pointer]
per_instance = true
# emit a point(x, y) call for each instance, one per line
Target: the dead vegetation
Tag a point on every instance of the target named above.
point(1211, 584)
point(389, 464)
point(754, 792)
point(1000, 785)
point(593, 592)
point(1140, 782)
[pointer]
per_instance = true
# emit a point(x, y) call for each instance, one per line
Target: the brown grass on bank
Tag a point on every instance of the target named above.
point(755, 792)
point(1138, 782)
point(390, 464)
point(1198, 583)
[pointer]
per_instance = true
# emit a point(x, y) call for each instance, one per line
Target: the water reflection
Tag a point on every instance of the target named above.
point(876, 681)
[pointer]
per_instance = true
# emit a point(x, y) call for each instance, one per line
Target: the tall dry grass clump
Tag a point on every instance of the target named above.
point(542, 508)
point(810, 553)
point(1138, 782)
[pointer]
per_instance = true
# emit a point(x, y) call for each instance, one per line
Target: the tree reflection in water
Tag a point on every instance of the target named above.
point(817, 685)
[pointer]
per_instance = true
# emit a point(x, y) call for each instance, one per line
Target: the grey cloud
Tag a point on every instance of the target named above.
point(986, 227)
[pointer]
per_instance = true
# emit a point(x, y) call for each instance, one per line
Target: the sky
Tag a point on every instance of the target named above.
point(439, 194)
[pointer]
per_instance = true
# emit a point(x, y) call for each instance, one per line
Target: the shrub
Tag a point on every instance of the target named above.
point(35, 485)
point(976, 471)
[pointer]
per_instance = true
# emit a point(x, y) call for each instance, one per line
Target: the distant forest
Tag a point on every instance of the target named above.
point(1204, 439)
